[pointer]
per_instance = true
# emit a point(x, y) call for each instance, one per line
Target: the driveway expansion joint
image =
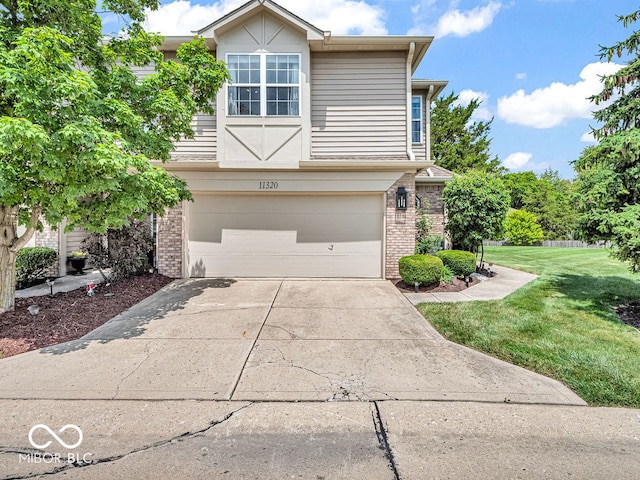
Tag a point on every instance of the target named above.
point(383, 439)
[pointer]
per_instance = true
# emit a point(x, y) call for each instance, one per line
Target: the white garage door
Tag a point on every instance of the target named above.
point(285, 236)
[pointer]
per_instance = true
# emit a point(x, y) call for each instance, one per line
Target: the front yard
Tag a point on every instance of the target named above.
point(562, 325)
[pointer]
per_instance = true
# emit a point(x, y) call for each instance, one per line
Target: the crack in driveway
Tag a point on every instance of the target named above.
point(178, 438)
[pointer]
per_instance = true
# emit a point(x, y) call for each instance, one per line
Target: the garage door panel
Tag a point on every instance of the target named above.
point(302, 236)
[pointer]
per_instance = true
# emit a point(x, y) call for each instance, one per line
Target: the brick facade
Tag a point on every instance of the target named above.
point(170, 240)
point(400, 225)
point(49, 238)
point(430, 196)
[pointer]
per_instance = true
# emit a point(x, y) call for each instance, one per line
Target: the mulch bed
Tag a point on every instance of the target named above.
point(456, 285)
point(71, 315)
point(629, 314)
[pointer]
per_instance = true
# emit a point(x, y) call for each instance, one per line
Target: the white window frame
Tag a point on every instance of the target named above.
point(264, 85)
point(419, 120)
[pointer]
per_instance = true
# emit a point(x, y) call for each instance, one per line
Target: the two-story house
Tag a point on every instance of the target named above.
point(308, 167)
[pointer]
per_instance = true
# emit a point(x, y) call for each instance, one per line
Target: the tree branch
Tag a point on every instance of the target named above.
point(31, 229)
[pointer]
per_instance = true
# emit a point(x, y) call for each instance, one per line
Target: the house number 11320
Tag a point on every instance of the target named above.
point(268, 185)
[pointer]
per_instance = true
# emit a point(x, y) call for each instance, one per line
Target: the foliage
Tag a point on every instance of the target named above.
point(608, 174)
point(446, 275)
point(460, 262)
point(561, 325)
point(125, 250)
point(32, 262)
point(427, 242)
point(78, 128)
point(521, 228)
point(458, 143)
point(421, 269)
point(477, 204)
point(520, 186)
point(549, 197)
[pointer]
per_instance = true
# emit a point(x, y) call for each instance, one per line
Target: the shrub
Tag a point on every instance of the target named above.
point(424, 269)
point(446, 275)
point(125, 250)
point(429, 244)
point(460, 262)
point(522, 229)
point(32, 263)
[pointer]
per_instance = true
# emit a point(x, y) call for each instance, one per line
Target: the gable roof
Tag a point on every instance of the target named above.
point(231, 18)
point(434, 174)
point(319, 40)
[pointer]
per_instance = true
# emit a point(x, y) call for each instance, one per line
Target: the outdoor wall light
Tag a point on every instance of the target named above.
point(401, 199)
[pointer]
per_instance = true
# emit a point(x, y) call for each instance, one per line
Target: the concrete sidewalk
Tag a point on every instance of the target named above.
point(505, 282)
point(66, 283)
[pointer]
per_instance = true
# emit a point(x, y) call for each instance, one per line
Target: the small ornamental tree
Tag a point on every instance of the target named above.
point(477, 204)
point(521, 228)
point(78, 128)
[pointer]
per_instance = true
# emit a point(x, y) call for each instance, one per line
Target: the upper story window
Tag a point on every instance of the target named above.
point(416, 119)
point(264, 84)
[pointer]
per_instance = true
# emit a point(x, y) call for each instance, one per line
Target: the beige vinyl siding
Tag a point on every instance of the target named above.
point(205, 140)
point(358, 104)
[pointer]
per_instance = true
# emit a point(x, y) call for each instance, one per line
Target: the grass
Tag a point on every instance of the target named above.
point(561, 325)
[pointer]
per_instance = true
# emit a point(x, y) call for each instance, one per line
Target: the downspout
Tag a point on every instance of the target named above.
point(412, 50)
point(428, 126)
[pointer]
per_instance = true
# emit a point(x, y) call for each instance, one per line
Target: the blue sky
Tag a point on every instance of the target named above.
point(532, 62)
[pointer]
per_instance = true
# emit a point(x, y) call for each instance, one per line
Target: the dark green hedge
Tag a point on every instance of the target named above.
point(424, 269)
point(32, 262)
point(460, 262)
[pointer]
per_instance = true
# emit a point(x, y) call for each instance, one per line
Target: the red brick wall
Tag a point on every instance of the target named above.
point(401, 225)
point(170, 237)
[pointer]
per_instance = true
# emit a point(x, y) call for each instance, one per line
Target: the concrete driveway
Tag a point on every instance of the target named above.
point(256, 340)
point(261, 379)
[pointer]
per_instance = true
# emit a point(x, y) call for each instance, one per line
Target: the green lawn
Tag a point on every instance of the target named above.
point(561, 325)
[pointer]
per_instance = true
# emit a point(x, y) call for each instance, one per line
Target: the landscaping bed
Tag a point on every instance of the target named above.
point(71, 315)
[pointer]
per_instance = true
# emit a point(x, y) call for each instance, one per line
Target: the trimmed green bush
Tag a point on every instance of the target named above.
point(424, 269)
point(32, 263)
point(460, 262)
point(521, 228)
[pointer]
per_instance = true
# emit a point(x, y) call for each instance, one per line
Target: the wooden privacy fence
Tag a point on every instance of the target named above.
point(550, 243)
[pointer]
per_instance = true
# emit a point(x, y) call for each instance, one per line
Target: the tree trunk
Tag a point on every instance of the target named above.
point(10, 243)
point(7, 277)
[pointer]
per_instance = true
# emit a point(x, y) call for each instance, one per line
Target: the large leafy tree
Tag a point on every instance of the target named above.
point(78, 128)
point(608, 174)
point(459, 143)
point(477, 205)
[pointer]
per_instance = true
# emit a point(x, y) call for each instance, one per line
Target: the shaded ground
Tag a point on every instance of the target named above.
point(71, 315)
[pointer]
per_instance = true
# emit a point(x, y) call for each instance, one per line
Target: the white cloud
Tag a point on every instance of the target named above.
point(522, 161)
point(587, 137)
point(463, 23)
point(517, 160)
point(556, 104)
point(181, 17)
point(481, 113)
point(521, 76)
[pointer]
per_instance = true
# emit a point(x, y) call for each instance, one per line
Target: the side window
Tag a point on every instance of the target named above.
point(416, 119)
